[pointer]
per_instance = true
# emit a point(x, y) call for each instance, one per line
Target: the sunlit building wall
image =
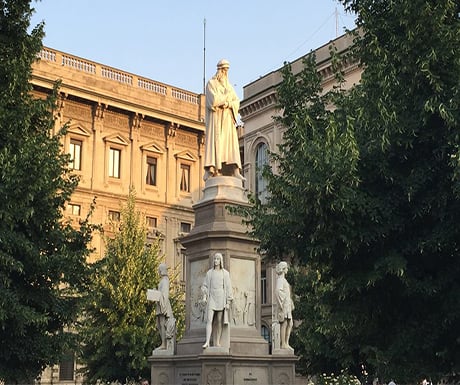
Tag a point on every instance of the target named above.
point(125, 130)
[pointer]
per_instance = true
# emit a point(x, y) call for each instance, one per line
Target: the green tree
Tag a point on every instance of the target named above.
point(119, 327)
point(42, 258)
point(367, 198)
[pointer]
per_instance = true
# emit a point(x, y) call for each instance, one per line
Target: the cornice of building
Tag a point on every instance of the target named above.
point(106, 85)
point(260, 95)
point(104, 195)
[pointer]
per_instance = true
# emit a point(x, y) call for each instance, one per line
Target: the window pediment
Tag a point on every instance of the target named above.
point(186, 155)
point(78, 130)
point(153, 147)
point(117, 139)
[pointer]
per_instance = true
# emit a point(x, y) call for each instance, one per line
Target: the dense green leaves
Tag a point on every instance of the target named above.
point(42, 257)
point(365, 198)
point(119, 327)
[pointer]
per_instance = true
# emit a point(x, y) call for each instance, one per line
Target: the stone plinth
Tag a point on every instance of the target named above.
point(223, 370)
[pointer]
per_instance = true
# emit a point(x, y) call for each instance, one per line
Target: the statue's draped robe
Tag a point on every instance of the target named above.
point(284, 303)
point(164, 307)
point(218, 289)
point(221, 144)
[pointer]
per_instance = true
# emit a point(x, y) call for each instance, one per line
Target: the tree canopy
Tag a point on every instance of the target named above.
point(119, 329)
point(42, 257)
point(365, 198)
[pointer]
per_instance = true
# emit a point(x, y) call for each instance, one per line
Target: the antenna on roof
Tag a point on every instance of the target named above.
point(336, 23)
point(204, 56)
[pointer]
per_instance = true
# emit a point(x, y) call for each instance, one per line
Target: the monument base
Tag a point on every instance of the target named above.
point(244, 357)
point(223, 369)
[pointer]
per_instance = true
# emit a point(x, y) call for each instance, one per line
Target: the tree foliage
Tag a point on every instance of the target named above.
point(119, 327)
point(42, 257)
point(365, 198)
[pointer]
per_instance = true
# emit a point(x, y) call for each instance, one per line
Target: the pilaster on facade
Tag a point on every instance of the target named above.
point(98, 115)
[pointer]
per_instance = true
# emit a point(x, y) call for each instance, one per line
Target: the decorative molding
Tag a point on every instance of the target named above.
point(185, 138)
point(77, 129)
point(116, 119)
point(136, 121)
point(153, 147)
point(172, 129)
point(75, 110)
point(117, 139)
point(185, 155)
point(214, 377)
point(269, 100)
point(98, 111)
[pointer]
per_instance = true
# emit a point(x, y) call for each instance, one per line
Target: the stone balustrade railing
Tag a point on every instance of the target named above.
point(78, 64)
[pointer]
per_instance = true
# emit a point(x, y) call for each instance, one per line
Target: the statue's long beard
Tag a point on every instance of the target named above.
point(222, 78)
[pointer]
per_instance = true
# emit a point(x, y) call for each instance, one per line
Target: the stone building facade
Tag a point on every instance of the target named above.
point(261, 134)
point(125, 130)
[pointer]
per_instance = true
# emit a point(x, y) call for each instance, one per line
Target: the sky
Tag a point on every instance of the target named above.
point(179, 42)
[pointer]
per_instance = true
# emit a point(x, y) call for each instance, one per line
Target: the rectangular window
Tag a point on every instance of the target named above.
point(75, 154)
point(73, 209)
point(151, 177)
point(185, 227)
point(114, 216)
point(151, 227)
point(114, 162)
point(151, 222)
point(185, 178)
point(67, 367)
point(263, 286)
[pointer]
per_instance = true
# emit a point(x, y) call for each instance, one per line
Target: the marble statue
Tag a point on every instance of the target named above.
point(217, 295)
point(283, 305)
point(222, 152)
point(166, 323)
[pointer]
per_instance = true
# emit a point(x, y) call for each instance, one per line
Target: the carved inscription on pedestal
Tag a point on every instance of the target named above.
point(250, 376)
point(188, 376)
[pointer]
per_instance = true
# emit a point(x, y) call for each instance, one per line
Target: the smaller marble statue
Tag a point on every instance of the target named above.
point(166, 323)
point(283, 305)
point(217, 295)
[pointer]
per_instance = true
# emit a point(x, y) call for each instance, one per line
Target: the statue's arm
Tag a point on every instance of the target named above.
point(280, 294)
point(214, 98)
point(205, 289)
point(234, 105)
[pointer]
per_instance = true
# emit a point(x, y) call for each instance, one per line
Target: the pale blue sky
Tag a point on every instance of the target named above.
point(163, 40)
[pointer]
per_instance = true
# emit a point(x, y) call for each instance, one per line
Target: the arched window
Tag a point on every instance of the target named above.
point(261, 161)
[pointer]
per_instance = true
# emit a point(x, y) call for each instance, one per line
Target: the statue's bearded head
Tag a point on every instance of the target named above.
point(222, 70)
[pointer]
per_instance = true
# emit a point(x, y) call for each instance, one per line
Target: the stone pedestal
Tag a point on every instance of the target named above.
point(223, 370)
point(169, 351)
point(246, 358)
